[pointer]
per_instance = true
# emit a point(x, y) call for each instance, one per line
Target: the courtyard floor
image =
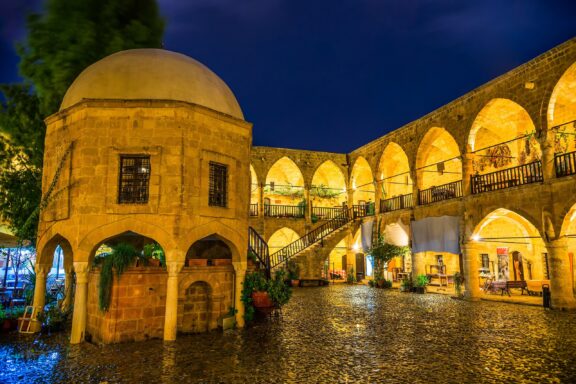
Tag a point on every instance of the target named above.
point(335, 334)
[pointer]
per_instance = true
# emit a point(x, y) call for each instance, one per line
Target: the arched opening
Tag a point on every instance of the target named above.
point(211, 250)
point(337, 261)
point(362, 183)
point(396, 181)
point(194, 308)
point(562, 120)
point(126, 289)
point(281, 238)
point(328, 191)
point(254, 192)
point(569, 232)
point(284, 190)
point(438, 167)
point(510, 248)
point(506, 151)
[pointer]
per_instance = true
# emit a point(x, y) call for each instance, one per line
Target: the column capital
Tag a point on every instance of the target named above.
point(561, 242)
point(42, 269)
point(81, 269)
point(240, 267)
point(174, 267)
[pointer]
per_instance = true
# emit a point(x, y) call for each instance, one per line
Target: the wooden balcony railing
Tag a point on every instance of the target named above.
point(363, 210)
point(292, 211)
point(507, 178)
point(397, 202)
point(565, 164)
point(254, 209)
point(440, 193)
point(327, 213)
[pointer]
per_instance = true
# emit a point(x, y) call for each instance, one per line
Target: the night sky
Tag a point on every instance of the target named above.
point(332, 75)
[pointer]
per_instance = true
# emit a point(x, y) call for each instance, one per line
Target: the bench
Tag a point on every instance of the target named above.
point(505, 286)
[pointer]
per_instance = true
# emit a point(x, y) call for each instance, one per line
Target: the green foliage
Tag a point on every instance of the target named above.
point(12, 312)
point(278, 290)
point(154, 251)
point(293, 270)
point(421, 281)
point(67, 37)
point(54, 318)
point(325, 192)
point(351, 276)
point(371, 283)
point(123, 255)
point(458, 281)
point(406, 283)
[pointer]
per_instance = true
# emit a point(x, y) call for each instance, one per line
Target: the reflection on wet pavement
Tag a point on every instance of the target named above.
point(334, 334)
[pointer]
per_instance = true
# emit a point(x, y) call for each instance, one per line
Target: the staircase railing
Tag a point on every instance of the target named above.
point(317, 234)
point(258, 246)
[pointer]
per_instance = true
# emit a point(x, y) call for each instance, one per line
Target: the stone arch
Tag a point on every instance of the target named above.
point(568, 223)
point(502, 136)
point(87, 245)
point(234, 240)
point(502, 235)
point(45, 254)
point(281, 238)
point(328, 187)
point(394, 172)
point(438, 159)
point(209, 248)
point(561, 113)
point(254, 186)
point(284, 183)
point(362, 182)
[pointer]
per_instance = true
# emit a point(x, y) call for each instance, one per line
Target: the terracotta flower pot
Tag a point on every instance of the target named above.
point(295, 282)
point(261, 299)
point(154, 262)
point(217, 262)
point(197, 262)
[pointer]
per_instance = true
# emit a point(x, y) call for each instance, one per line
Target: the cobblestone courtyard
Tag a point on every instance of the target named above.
point(337, 334)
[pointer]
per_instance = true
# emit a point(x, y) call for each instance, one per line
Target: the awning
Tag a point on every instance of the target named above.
point(437, 234)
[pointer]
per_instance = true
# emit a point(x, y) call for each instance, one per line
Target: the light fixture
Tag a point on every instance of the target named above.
point(475, 237)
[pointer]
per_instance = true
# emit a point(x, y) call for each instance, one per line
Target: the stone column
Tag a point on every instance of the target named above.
point(418, 267)
point(560, 279)
point(68, 284)
point(171, 315)
point(80, 299)
point(240, 269)
point(41, 271)
point(308, 210)
point(470, 254)
point(261, 200)
point(467, 172)
point(414, 175)
point(548, 168)
point(378, 197)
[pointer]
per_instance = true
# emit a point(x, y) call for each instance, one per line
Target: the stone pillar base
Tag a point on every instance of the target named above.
point(563, 303)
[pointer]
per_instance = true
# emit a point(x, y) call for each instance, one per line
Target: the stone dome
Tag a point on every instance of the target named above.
point(153, 74)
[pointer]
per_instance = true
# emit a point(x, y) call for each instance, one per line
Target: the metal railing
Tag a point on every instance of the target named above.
point(254, 209)
point(440, 192)
point(258, 246)
point(565, 164)
point(397, 202)
point(294, 211)
point(363, 210)
point(326, 213)
point(507, 178)
point(317, 234)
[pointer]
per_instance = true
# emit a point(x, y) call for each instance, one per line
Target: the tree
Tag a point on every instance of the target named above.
point(67, 37)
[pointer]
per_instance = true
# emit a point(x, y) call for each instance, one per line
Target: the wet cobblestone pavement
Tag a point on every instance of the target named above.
point(336, 334)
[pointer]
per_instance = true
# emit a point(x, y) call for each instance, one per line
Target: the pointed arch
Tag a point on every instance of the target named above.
point(328, 185)
point(281, 238)
point(438, 159)
point(394, 172)
point(562, 111)
point(502, 136)
point(362, 182)
point(284, 183)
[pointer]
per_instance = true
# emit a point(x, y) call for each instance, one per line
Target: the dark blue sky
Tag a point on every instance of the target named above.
point(332, 75)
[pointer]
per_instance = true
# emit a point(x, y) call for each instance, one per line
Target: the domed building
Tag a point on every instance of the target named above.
point(149, 147)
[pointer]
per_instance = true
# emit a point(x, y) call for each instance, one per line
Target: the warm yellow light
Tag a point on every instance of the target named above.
point(475, 237)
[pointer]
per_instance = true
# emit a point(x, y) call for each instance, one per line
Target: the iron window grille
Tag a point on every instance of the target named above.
point(134, 179)
point(218, 184)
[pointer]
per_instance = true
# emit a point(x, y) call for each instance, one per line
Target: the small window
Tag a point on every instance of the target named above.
point(134, 179)
point(485, 261)
point(218, 184)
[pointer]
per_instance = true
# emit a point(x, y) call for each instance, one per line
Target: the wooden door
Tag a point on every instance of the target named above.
point(360, 266)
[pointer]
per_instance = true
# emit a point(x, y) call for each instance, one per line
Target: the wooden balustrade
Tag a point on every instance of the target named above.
point(440, 192)
point(507, 178)
point(565, 164)
point(254, 209)
point(397, 202)
point(292, 211)
point(327, 213)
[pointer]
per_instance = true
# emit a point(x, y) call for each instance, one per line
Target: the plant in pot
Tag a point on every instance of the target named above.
point(293, 273)
point(406, 284)
point(254, 294)
point(421, 282)
point(9, 318)
point(123, 255)
point(53, 319)
point(458, 281)
point(372, 283)
point(351, 277)
point(153, 255)
point(277, 290)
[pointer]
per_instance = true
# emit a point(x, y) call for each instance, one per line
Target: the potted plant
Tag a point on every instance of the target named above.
point(53, 319)
point(293, 273)
point(372, 283)
point(9, 318)
point(351, 277)
point(406, 284)
point(458, 281)
point(383, 283)
point(197, 262)
point(277, 290)
point(153, 255)
point(421, 282)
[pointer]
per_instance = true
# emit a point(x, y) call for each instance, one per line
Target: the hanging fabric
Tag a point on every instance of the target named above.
point(438, 234)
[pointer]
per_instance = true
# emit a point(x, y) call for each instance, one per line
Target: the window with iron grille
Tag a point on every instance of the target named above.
point(218, 184)
point(134, 179)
